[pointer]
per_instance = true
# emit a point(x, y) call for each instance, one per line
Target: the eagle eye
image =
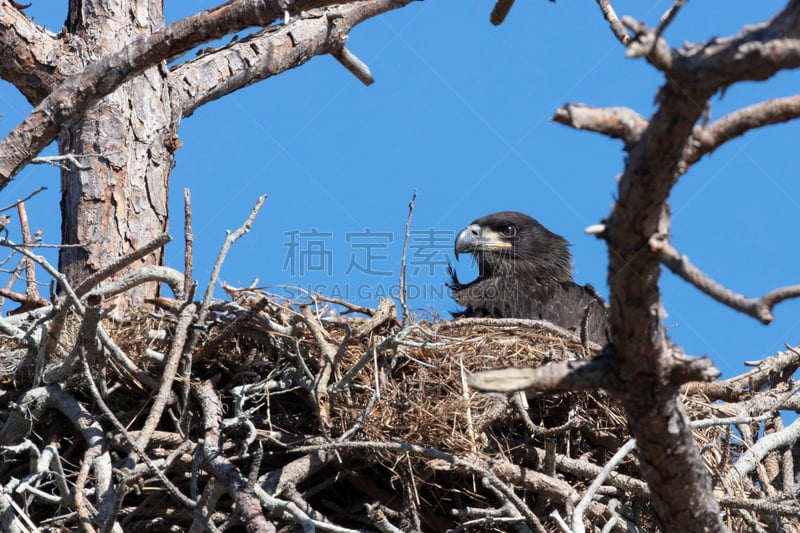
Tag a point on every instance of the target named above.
point(509, 231)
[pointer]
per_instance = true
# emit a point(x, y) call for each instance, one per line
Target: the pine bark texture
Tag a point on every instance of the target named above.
point(119, 202)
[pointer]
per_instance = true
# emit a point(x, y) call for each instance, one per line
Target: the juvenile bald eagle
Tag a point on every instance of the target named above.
point(524, 271)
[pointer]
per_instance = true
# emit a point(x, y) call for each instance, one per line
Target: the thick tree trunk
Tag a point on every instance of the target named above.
point(120, 202)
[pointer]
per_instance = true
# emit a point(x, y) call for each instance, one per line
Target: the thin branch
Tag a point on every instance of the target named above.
point(319, 389)
point(616, 122)
point(669, 16)
point(617, 28)
point(577, 513)
point(15, 204)
point(758, 308)
point(168, 374)
point(554, 377)
point(271, 51)
point(706, 140)
point(188, 238)
point(31, 290)
point(769, 370)
point(352, 63)
point(403, 287)
point(230, 238)
point(122, 263)
point(752, 457)
point(59, 161)
point(67, 102)
point(145, 274)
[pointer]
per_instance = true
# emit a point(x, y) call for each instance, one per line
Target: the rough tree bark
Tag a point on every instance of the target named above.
point(118, 200)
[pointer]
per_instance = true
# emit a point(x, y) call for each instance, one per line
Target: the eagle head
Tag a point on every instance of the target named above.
point(512, 244)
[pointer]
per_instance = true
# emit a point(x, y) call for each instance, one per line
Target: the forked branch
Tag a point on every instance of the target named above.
point(707, 139)
point(758, 308)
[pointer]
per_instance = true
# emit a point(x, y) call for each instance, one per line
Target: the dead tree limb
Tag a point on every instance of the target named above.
point(705, 140)
point(271, 51)
point(617, 28)
point(758, 308)
point(248, 505)
point(554, 377)
point(66, 102)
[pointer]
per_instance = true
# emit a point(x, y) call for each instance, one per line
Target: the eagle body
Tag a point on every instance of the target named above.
point(524, 271)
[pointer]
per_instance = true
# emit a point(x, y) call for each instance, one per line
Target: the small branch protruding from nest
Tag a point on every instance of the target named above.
point(168, 374)
point(403, 287)
point(351, 62)
point(753, 456)
point(577, 514)
point(758, 308)
point(31, 290)
point(121, 263)
point(230, 238)
point(770, 371)
point(319, 389)
point(226, 472)
point(15, 204)
point(553, 377)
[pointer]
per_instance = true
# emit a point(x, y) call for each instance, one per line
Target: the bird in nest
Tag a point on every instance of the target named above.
point(524, 271)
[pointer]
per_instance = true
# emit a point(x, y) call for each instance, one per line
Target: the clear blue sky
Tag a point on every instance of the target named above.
point(460, 111)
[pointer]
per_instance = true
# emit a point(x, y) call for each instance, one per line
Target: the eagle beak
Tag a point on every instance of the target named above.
point(467, 240)
point(474, 238)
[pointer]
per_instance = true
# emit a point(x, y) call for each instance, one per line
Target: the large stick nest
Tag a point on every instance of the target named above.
point(332, 415)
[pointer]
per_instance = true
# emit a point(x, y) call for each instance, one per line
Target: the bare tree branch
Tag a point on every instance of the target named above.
point(617, 122)
point(755, 453)
point(67, 102)
point(669, 16)
point(403, 287)
point(577, 514)
point(769, 371)
point(28, 60)
point(120, 264)
point(707, 139)
point(225, 471)
point(351, 62)
point(617, 28)
point(270, 52)
point(554, 377)
point(758, 308)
